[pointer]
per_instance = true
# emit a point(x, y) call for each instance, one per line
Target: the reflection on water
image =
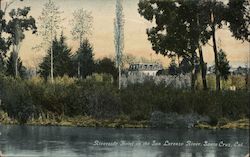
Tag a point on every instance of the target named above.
point(103, 142)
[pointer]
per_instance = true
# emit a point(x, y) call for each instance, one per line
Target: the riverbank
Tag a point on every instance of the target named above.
point(80, 121)
point(121, 122)
point(226, 124)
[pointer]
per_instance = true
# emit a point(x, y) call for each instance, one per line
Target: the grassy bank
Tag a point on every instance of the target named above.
point(238, 124)
point(79, 121)
point(122, 122)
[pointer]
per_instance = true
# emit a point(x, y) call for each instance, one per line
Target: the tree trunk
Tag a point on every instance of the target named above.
point(216, 59)
point(202, 64)
point(51, 63)
point(215, 52)
point(203, 69)
point(1, 57)
point(193, 72)
point(119, 81)
point(16, 66)
point(1, 61)
point(78, 70)
point(15, 57)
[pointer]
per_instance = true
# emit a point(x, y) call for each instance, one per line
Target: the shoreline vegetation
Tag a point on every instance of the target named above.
point(122, 122)
point(96, 102)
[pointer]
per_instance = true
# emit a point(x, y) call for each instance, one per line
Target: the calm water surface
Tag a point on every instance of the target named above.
point(41, 141)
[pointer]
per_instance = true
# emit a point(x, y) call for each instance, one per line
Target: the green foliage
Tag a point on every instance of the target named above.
point(102, 100)
point(223, 65)
point(62, 59)
point(185, 66)
point(11, 66)
point(17, 99)
point(102, 77)
point(140, 100)
point(173, 69)
point(238, 17)
point(99, 98)
point(83, 60)
point(236, 81)
point(4, 41)
point(20, 22)
point(106, 65)
point(182, 27)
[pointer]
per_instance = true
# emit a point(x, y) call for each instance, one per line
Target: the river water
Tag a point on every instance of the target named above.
point(45, 141)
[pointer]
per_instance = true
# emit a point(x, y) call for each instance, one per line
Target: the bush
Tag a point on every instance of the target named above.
point(102, 99)
point(140, 100)
point(17, 99)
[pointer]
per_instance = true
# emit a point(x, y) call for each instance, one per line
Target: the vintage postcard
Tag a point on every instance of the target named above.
point(124, 78)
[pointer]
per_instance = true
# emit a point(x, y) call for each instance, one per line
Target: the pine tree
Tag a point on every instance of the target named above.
point(11, 66)
point(62, 59)
point(83, 60)
point(223, 65)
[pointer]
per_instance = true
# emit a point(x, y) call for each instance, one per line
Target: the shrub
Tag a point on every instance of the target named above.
point(102, 99)
point(17, 99)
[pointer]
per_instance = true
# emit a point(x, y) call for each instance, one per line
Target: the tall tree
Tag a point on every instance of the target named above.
point(217, 16)
point(82, 24)
point(62, 59)
point(175, 33)
point(83, 59)
point(183, 26)
point(194, 15)
point(119, 37)
point(50, 23)
point(19, 23)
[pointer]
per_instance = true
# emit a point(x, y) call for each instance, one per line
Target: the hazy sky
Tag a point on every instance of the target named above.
point(102, 37)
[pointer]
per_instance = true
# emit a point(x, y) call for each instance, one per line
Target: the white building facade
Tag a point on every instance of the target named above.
point(146, 69)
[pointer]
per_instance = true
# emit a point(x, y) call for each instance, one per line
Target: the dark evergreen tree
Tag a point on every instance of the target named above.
point(83, 60)
point(223, 65)
point(107, 65)
point(11, 66)
point(62, 59)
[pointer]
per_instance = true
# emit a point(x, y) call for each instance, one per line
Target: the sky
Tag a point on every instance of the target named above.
point(102, 38)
